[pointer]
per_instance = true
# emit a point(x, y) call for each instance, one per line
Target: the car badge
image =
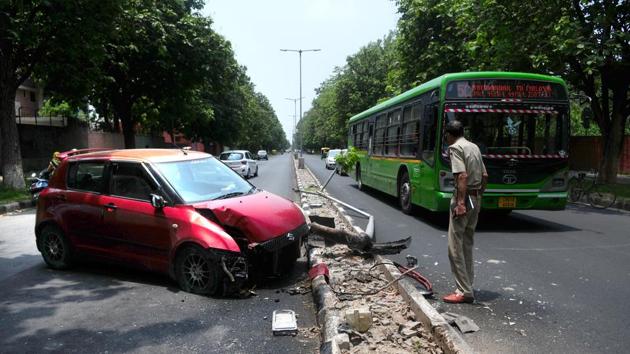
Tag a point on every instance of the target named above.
point(290, 237)
point(509, 179)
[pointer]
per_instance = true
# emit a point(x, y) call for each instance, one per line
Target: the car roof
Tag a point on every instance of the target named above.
point(150, 155)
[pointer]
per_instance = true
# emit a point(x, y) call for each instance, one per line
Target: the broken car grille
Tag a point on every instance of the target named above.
point(282, 241)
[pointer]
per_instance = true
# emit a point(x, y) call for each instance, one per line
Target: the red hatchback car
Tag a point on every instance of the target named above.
point(179, 212)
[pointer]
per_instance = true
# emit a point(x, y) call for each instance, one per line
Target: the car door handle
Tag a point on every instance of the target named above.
point(110, 206)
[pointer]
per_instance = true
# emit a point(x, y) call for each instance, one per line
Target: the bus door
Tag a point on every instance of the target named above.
point(428, 134)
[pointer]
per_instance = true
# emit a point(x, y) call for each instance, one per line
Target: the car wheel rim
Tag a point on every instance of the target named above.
point(404, 194)
point(196, 271)
point(54, 247)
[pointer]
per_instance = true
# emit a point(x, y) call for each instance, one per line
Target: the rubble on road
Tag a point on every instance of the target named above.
point(353, 274)
point(394, 328)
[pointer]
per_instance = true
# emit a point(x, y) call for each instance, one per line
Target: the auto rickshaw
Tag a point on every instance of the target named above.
point(324, 152)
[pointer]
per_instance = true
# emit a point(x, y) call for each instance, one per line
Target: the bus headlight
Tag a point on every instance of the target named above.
point(447, 181)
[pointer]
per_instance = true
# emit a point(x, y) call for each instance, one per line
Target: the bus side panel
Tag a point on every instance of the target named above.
point(385, 173)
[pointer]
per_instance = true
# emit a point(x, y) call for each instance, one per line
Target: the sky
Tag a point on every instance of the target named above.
point(258, 29)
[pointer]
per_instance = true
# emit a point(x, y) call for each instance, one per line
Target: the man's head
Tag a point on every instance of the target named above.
point(454, 130)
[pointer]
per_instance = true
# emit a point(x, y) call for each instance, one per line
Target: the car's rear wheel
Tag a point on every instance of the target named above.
point(196, 272)
point(55, 248)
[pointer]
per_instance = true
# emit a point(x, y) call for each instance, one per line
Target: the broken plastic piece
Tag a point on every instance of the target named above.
point(284, 322)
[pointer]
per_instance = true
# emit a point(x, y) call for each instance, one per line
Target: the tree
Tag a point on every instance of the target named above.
point(43, 39)
point(160, 57)
point(353, 88)
point(585, 42)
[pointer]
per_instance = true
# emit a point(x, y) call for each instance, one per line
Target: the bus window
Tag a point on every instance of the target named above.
point(526, 133)
point(379, 135)
point(428, 133)
point(393, 131)
point(410, 138)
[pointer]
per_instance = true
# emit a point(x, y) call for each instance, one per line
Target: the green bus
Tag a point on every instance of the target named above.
point(520, 122)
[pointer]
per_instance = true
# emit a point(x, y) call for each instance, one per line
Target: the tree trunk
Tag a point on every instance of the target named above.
point(614, 136)
point(123, 112)
point(129, 134)
point(12, 173)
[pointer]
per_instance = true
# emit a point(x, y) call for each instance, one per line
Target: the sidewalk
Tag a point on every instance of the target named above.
point(13, 206)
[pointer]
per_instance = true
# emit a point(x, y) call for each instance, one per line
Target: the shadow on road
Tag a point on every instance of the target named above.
point(103, 307)
point(513, 223)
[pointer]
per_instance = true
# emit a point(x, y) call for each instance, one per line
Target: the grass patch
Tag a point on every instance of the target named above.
point(8, 195)
point(621, 190)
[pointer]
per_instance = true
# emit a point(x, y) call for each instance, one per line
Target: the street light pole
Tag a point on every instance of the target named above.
point(294, 116)
point(300, 51)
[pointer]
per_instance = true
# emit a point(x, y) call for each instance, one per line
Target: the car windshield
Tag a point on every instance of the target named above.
point(333, 153)
point(262, 151)
point(231, 156)
point(203, 179)
point(515, 133)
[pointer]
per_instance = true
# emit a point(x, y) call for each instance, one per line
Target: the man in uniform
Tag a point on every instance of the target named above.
point(470, 182)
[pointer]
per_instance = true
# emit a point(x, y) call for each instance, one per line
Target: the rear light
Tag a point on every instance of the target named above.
point(243, 162)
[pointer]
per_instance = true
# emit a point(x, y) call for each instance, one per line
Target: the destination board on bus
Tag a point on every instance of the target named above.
point(504, 89)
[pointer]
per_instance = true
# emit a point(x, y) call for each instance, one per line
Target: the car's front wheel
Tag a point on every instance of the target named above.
point(55, 248)
point(256, 173)
point(196, 272)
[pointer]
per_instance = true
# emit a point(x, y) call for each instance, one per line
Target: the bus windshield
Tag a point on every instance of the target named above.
point(533, 133)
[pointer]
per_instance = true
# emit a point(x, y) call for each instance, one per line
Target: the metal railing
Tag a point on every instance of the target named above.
point(22, 117)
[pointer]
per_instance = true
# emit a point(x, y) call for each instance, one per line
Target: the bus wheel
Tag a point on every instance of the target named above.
point(358, 178)
point(404, 194)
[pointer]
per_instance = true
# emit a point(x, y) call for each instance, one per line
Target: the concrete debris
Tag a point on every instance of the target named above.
point(354, 273)
point(394, 328)
point(465, 324)
point(359, 318)
point(343, 341)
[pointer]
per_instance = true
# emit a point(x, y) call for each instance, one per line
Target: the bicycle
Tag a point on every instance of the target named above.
point(597, 194)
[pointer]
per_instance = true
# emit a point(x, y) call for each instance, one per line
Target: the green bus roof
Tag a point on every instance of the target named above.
point(440, 82)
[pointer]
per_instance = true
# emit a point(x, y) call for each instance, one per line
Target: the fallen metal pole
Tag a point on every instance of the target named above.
point(369, 229)
point(329, 178)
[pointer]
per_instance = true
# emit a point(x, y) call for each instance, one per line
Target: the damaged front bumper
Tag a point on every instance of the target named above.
point(281, 250)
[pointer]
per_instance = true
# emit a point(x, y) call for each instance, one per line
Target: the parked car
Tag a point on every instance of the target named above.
point(330, 159)
point(180, 213)
point(241, 161)
point(262, 155)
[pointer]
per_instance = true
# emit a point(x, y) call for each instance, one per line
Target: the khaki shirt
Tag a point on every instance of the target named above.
point(466, 157)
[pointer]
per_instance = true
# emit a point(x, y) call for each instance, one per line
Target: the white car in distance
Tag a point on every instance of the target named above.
point(241, 161)
point(262, 155)
point(330, 158)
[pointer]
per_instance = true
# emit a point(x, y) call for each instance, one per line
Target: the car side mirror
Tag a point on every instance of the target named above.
point(587, 117)
point(157, 201)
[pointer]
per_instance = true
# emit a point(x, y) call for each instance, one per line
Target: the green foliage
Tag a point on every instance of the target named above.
point(587, 42)
point(348, 160)
point(356, 86)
